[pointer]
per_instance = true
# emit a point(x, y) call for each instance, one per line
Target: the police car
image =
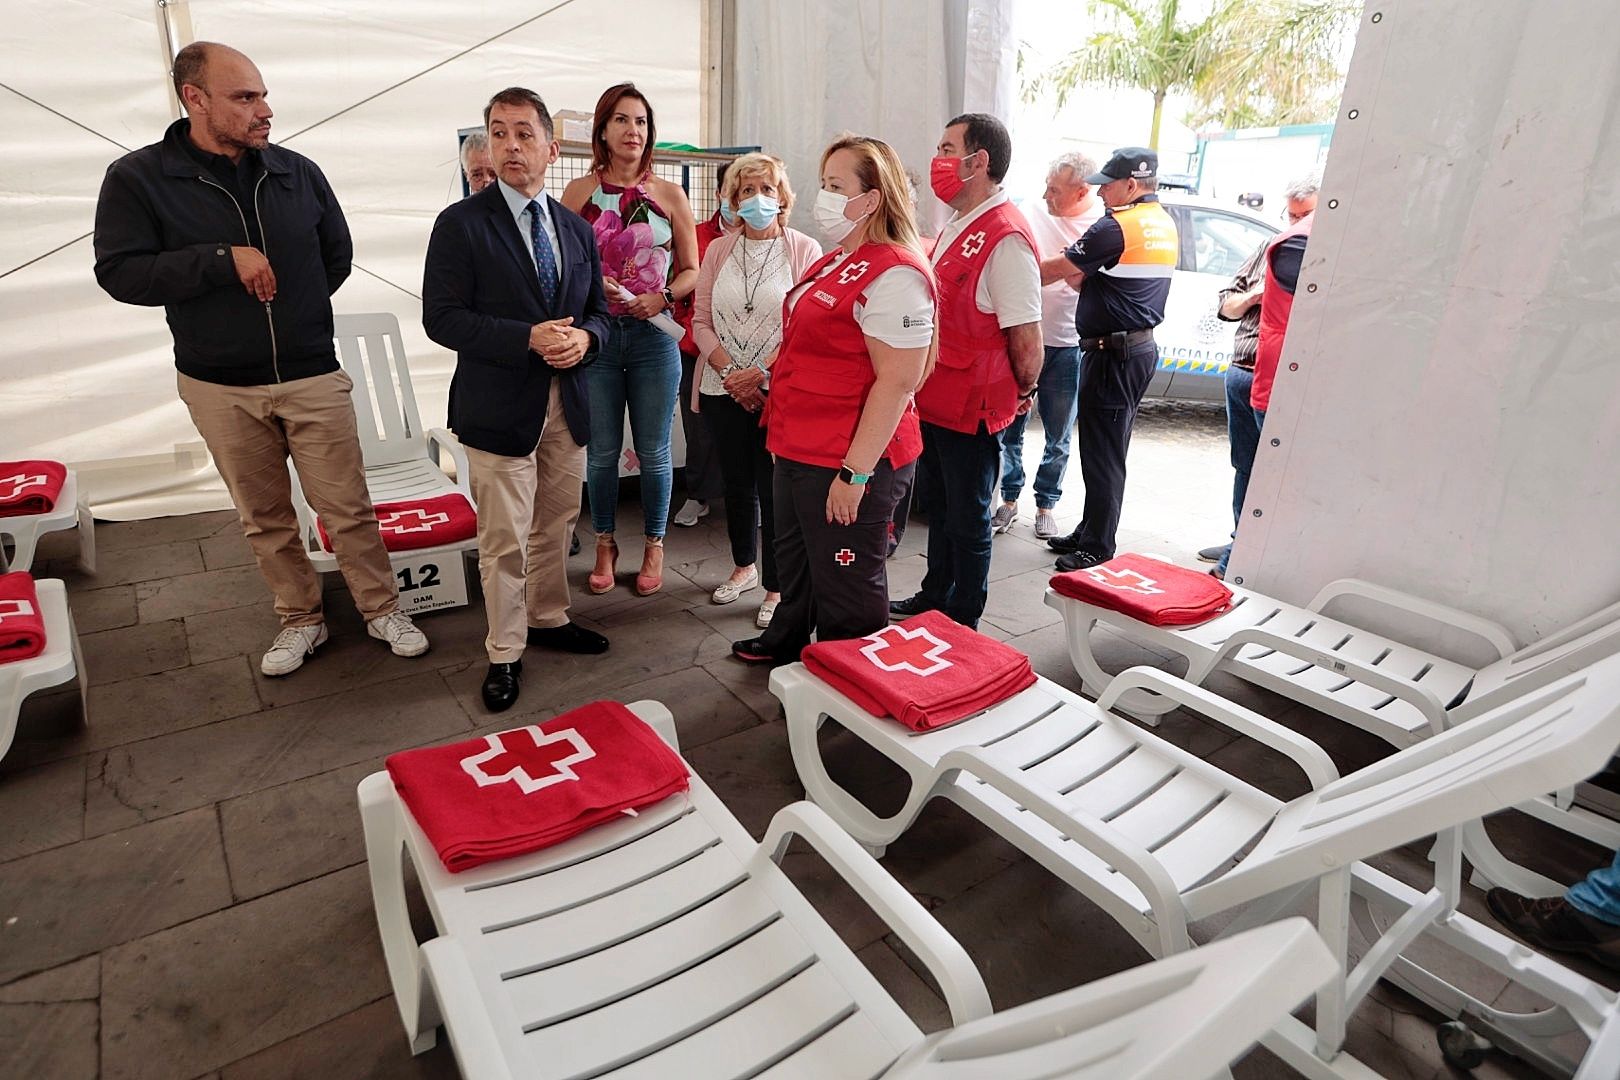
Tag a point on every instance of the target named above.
point(1195, 346)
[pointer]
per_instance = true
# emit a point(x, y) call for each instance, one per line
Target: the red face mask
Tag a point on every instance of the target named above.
point(943, 179)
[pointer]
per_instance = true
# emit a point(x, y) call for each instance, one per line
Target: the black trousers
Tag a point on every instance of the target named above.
point(834, 577)
point(739, 442)
point(702, 469)
point(958, 473)
point(1111, 387)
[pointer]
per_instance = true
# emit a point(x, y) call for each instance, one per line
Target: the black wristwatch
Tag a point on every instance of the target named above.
point(851, 477)
point(669, 297)
point(1029, 396)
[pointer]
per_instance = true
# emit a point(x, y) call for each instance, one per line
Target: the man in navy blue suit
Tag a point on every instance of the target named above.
point(513, 283)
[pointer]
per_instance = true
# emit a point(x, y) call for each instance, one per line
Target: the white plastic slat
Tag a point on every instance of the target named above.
point(618, 916)
point(1095, 752)
point(1186, 797)
point(547, 996)
point(626, 1031)
point(768, 1037)
point(994, 726)
point(1127, 782)
point(1212, 841)
point(1042, 738)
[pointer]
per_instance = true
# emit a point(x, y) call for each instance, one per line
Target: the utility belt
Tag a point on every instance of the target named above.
point(1118, 341)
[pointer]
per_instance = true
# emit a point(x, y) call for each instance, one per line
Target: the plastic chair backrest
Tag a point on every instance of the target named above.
point(1576, 646)
point(390, 427)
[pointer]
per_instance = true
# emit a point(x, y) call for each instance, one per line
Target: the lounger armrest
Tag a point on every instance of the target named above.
point(1423, 700)
point(446, 439)
point(1312, 759)
point(958, 978)
point(477, 1046)
point(1492, 633)
point(1135, 862)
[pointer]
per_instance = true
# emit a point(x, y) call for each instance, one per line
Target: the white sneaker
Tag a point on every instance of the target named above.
point(287, 652)
point(730, 588)
point(401, 634)
point(690, 513)
point(766, 610)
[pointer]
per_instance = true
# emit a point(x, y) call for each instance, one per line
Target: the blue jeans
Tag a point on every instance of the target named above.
point(640, 367)
point(1243, 432)
point(1059, 387)
point(1598, 894)
point(957, 480)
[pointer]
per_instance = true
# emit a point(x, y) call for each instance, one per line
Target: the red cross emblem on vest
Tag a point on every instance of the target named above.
point(529, 758)
point(853, 272)
point(895, 648)
point(973, 243)
point(399, 521)
point(19, 608)
point(1124, 580)
point(844, 556)
point(12, 486)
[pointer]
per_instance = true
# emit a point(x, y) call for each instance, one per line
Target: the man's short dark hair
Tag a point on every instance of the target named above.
point(189, 64)
point(519, 97)
point(720, 174)
point(985, 132)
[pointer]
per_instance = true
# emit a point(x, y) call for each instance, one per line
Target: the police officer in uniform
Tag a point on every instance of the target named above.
point(1121, 267)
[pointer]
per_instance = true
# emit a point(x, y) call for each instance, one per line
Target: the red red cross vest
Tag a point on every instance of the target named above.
point(823, 372)
point(1276, 303)
point(973, 380)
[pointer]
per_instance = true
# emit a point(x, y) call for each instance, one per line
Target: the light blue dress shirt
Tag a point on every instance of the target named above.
point(519, 205)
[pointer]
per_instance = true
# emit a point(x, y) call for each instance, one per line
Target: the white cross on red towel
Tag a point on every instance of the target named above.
point(20, 608)
point(397, 521)
point(12, 486)
point(1124, 580)
point(528, 757)
point(894, 648)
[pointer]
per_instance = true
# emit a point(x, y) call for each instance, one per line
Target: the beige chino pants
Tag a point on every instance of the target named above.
point(251, 431)
point(527, 507)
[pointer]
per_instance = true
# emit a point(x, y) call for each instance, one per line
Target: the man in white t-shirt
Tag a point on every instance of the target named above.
point(1071, 207)
point(989, 321)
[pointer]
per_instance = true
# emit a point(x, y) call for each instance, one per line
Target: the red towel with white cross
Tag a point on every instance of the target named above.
point(22, 623)
point(925, 672)
point(522, 790)
point(1156, 592)
point(30, 487)
point(421, 523)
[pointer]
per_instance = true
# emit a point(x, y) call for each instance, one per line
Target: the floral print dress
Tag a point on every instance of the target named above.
point(633, 235)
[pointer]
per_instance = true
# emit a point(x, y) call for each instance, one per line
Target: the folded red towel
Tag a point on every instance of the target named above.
point(22, 624)
point(420, 523)
point(1155, 592)
point(30, 487)
point(925, 672)
point(531, 787)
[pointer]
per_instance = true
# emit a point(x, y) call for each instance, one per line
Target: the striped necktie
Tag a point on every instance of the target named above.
point(545, 260)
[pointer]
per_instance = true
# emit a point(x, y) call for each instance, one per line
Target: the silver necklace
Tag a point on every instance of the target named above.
point(751, 289)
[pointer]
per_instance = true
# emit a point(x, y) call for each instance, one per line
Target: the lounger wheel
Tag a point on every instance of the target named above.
point(1460, 1046)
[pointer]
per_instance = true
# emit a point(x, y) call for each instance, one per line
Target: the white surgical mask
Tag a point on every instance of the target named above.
point(829, 215)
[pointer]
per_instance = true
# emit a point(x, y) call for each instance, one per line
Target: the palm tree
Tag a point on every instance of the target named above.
point(1244, 62)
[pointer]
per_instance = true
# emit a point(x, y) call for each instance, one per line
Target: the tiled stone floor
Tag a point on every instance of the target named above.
point(182, 889)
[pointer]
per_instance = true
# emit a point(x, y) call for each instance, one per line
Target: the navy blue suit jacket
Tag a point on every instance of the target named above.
point(480, 297)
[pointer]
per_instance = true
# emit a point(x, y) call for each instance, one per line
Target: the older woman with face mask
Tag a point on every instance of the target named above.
point(737, 325)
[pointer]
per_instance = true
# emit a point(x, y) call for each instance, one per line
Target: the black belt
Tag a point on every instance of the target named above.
point(1120, 340)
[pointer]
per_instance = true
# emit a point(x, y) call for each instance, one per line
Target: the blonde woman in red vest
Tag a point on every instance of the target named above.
point(839, 417)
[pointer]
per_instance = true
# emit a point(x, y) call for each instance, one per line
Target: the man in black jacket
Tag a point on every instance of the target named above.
point(243, 244)
point(513, 283)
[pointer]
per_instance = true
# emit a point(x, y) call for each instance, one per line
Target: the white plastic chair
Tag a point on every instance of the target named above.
point(402, 459)
point(1396, 691)
point(1159, 838)
point(71, 512)
point(58, 664)
point(671, 945)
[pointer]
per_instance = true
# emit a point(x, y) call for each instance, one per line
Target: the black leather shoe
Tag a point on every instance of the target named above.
point(911, 605)
point(569, 637)
point(573, 544)
point(1065, 544)
point(501, 685)
point(1079, 560)
point(754, 651)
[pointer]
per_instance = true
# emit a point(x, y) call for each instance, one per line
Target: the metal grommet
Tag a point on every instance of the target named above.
point(1237, 581)
point(1276, 442)
point(1378, 17)
point(1333, 204)
point(1257, 513)
point(1293, 367)
point(1353, 113)
point(1310, 288)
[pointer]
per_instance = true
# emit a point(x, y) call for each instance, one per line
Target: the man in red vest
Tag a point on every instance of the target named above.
point(989, 324)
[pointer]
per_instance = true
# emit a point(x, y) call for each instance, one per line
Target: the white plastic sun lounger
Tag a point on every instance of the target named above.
point(1393, 690)
point(60, 662)
point(670, 945)
point(1159, 838)
point(71, 512)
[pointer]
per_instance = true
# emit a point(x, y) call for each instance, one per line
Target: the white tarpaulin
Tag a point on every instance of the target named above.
point(373, 92)
point(1454, 420)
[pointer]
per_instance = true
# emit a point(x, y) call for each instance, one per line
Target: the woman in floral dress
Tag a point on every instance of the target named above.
point(648, 242)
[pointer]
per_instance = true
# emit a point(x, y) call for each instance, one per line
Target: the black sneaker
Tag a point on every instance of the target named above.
point(905, 609)
point(1079, 560)
point(1212, 554)
point(1557, 926)
point(1065, 544)
point(754, 651)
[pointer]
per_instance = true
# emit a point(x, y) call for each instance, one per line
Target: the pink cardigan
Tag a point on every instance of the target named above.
point(802, 254)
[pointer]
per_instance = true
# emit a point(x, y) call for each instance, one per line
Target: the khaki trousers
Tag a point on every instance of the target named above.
point(527, 507)
point(251, 431)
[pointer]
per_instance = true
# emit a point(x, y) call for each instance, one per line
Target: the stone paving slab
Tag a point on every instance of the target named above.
point(42, 808)
point(48, 1023)
point(367, 1044)
point(132, 651)
point(102, 608)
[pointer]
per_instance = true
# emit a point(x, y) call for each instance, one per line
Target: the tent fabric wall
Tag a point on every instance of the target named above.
point(374, 93)
point(1453, 423)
